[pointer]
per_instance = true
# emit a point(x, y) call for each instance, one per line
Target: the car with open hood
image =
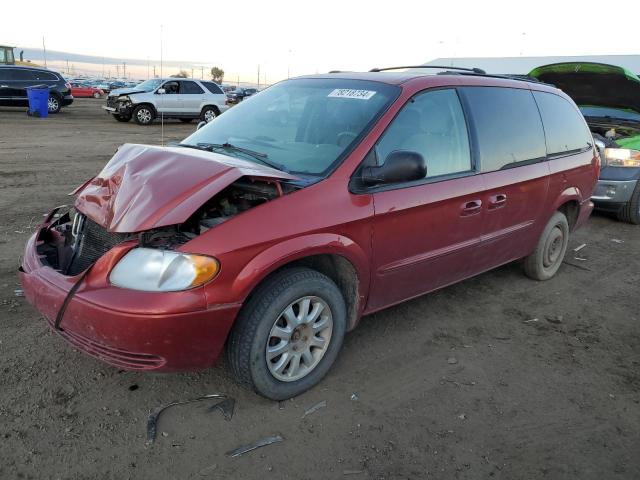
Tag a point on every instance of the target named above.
point(270, 231)
point(609, 98)
point(183, 98)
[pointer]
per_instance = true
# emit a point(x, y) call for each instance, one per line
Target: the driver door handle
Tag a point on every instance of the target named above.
point(471, 207)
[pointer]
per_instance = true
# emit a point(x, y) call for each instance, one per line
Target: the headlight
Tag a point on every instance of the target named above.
point(154, 270)
point(622, 157)
point(124, 98)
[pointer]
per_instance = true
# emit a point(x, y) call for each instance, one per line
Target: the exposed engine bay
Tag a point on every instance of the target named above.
point(71, 241)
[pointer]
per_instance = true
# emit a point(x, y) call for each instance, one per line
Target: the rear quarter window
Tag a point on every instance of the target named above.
point(42, 75)
point(564, 126)
point(212, 87)
point(507, 126)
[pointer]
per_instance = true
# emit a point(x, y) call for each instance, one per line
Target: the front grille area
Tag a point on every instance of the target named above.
point(93, 242)
point(111, 101)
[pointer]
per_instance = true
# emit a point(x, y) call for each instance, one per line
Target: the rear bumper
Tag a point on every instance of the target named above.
point(67, 100)
point(130, 330)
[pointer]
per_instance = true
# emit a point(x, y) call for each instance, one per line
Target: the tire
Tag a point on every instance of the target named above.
point(54, 105)
point(546, 259)
point(209, 113)
point(144, 114)
point(630, 213)
point(264, 314)
point(121, 118)
point(186, 120)
point(97, 95)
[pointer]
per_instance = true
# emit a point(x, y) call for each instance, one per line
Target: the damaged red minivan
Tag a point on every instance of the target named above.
point(272, 230)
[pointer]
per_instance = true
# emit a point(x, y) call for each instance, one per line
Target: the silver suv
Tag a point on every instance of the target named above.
point(184, 99)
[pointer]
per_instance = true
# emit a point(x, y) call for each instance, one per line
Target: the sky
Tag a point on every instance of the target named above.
point(301, 37)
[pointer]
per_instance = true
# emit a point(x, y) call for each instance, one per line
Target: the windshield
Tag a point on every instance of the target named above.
point(307, 125)
point(148, 85)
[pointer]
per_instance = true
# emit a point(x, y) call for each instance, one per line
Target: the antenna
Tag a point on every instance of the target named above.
point(161, 97)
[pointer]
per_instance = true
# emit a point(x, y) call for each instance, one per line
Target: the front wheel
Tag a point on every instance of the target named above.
point(121, 118)
point(143, 115)
point(546, 259)
point(53, 104)
point(288, 334)
point(630, 213)
point(97, 95)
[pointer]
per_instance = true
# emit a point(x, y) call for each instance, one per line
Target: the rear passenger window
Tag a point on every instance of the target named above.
point(508, 126)
point(564, 125)
point(22, 75)
point(190, 88)
point(433, 125)
point(41, 75)
point(212, 87)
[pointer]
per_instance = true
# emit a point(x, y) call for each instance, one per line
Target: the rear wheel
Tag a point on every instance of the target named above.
point(53, 104)
point(288, 334)
point(546, 259)
point(630, 213)
point(143, 115)
point(96, 95)
point(209, 113)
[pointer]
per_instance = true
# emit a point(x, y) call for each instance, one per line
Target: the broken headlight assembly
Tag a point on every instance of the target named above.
point(157, 270)
point(621, 157)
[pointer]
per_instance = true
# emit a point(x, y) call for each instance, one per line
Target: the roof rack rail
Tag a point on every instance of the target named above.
point(506, 76)
point(478, 71)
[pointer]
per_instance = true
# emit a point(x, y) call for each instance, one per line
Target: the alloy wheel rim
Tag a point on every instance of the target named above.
point(144, 115)
point(299, 338)
point(209, 115)
point(52, 104)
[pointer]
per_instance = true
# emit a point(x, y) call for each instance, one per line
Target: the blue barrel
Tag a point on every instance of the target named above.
point(38, 101)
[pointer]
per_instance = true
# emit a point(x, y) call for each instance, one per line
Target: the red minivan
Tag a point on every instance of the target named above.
point(272, 230)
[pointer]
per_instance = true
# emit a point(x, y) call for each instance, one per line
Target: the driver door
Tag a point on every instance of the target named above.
point(426, 233)
point(169, 101)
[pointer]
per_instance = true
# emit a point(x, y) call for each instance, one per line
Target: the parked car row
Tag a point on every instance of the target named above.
point(15, 79)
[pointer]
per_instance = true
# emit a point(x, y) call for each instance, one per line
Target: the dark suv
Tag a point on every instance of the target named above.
point(14, 81)
point(239, 94)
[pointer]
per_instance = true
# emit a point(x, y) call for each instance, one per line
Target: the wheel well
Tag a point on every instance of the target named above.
point(571, 209)
point(146, 104)
point(338, 269)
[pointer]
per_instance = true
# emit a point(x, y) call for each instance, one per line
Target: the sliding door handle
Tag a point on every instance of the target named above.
point(472, 207)
point(497, 201)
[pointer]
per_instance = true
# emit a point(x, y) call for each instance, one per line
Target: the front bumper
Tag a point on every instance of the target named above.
point(614, 192)
point(67, 100)
point(132, 330)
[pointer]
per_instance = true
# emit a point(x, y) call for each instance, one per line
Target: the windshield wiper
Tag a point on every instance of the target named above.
point(210, 147)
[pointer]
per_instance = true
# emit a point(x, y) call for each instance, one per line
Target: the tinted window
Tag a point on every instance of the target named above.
point(507, 124)
point(564, 126)
point(42, 75)
point(18, 74)
point(4, 73)
point(212, 87)
point(190, 88)
point(433, 125)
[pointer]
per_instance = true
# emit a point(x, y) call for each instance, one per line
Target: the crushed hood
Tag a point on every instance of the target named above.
point(144, 187)
point(126, 91)
point(596, 84)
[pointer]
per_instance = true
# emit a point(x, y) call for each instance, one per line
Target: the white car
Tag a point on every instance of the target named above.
point(182, 98)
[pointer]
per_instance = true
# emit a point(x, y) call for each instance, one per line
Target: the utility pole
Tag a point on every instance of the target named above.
point(44, 49)
point(201, 73)
point(67, 66)
point(154, 71)
point(238, 81)
point(124, 69)
point(258, 76)
point(192, 73)
point(118, 71)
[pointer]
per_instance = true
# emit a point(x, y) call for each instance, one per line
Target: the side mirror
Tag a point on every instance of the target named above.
point(161, 91)
point(399, 166)
point(200, 125)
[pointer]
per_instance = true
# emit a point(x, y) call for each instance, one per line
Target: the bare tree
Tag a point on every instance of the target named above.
point(181, 74)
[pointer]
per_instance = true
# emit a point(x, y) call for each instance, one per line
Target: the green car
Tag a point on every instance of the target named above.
point(609, 98)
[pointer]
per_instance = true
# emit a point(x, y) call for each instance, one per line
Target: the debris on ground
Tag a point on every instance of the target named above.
point(462, 416)
point(617, 240)
point(226, 407)
point(352, 472)
point(154, 415)
point(252, 446)
point(314, 408)
point(452, 360)
point(555, 319)
point(18, 292)
point(354, 397)
point(207, 470)
point(579, 247)
point(531, 320)
point(582, 259)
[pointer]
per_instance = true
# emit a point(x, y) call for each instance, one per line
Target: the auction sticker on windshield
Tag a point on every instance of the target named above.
point(351, 93)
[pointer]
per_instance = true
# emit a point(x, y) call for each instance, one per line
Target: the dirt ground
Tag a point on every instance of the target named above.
point(498, 376)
